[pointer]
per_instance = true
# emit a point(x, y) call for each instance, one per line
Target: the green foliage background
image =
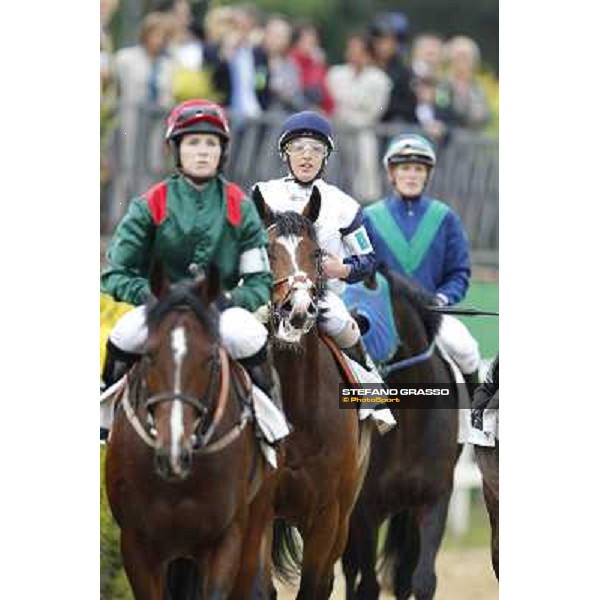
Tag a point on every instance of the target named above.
point(113, 583)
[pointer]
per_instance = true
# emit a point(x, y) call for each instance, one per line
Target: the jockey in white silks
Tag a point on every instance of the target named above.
point(305, 144)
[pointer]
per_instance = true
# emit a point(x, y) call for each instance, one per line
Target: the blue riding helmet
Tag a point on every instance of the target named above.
point(306, 123)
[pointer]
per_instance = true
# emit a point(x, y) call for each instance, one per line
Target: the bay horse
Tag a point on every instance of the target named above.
point(185, 479)
point(327, 452)
point(410, 475)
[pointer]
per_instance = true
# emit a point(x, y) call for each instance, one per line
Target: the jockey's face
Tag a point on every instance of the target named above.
point(409, 179)
point(306, 156)
point(200, 154)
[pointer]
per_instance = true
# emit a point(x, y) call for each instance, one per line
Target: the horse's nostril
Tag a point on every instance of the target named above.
point(186, 460)
point(312, 309)
point(161, 461)
point(287, 307)
point(298, 320)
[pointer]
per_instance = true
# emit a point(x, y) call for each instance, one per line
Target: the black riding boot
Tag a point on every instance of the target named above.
point(358, 353)
point(262, 371)
point(472, 382)
point(116, 364)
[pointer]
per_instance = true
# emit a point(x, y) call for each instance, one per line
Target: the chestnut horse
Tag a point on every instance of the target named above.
point(325, 460)
point(410, 473)
point(185, 479)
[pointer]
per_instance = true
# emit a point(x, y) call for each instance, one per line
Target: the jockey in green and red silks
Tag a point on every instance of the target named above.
point(192, 219)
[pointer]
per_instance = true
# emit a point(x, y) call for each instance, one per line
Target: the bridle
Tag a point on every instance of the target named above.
point(219, 365)
point(297, 281)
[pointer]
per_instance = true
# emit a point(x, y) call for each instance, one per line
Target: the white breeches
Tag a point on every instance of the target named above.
point(241, 333)
point(458, 342)
point(337, 321)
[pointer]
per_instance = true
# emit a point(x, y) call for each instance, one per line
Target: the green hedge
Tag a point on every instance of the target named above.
point(113, 582)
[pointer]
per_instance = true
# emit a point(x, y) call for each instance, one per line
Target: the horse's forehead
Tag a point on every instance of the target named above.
point(179, 341)
point(289, 242)
point(178, 329)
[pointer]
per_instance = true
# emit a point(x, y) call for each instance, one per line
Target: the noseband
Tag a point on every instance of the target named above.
point(300, 281)
point(219, 364)
point(197, 403)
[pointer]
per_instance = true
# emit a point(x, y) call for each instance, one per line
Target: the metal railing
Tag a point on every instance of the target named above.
point(466, 176)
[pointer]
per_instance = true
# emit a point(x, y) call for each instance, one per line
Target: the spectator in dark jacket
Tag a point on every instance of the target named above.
point(387, 36)
point(241, 71)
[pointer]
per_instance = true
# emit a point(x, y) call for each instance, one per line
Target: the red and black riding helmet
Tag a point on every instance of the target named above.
point(196, 116)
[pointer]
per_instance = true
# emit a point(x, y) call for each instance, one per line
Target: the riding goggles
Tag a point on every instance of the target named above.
point(300, 146)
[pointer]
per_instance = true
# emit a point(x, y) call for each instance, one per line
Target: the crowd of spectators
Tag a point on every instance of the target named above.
point(253, 63)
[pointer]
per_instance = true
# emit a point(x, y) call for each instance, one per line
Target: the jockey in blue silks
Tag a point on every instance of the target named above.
point(423, 239)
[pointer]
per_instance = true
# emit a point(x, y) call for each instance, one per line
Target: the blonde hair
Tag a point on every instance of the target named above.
point(462, 44)
point(219, 21)
point(151, 22)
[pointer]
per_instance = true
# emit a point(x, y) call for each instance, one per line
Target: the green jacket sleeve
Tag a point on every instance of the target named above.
point(255, 287)
point(128, 256)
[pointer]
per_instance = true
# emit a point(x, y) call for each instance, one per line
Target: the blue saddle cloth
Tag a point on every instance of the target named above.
point(381, 339)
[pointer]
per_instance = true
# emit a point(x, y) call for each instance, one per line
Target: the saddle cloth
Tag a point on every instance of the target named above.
point(355, 374)
point(381, 338)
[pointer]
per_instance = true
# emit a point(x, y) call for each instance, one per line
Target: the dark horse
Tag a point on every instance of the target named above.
point(410, 474)
point(185, 479)
point(325, 460)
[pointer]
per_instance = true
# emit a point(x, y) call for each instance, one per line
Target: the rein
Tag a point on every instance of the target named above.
point(202, 446)
point(408, 362)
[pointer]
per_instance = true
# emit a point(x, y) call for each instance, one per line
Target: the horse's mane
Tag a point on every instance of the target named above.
point(182, 296)
point(419, 298)
point(292, 223)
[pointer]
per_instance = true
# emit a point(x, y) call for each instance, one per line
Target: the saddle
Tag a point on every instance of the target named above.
point(340, 359)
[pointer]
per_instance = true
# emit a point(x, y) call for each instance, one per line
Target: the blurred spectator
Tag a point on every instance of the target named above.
point(433, 116)
point(107, 10)
point(241, 70)
point(463, 93)
point(284, 78)
point(145, 81)
point(185, 46)
point(108, 107)
point(426, 55)
point(388, 34)
point(191, 78)
point(309, 57)
point(217, 22)
point(361, 92)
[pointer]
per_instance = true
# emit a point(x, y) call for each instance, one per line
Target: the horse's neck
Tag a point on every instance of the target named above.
point(411, 329)
point(299, 371)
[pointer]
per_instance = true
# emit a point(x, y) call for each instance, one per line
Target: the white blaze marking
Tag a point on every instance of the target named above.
point(290, 244)
point(179, 345)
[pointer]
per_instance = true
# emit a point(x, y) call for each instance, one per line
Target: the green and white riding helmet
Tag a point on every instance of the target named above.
point(410, 148)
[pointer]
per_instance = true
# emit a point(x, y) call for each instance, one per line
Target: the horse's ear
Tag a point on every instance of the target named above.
point(264, 212)
point(159, 282)
point(313, 208)
point(209, 284)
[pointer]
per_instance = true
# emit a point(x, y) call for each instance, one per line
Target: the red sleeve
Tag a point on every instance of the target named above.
point(156, 197)
point(234, 196)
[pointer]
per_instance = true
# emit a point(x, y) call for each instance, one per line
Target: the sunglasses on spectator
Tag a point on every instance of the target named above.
point(300, 146)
